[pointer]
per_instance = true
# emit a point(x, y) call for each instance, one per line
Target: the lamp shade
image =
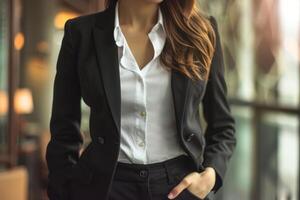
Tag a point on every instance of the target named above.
point(3, 103)
point(23, 103)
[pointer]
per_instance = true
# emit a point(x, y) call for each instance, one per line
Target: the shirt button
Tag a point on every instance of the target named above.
point(141, 144)
point(143, 173)
point(143, 113)
point(189, 138)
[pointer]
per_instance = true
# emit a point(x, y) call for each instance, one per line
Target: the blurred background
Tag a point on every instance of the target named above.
point(261, 42)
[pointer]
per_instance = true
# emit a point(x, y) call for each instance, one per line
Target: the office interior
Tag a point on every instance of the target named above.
point(261, 45)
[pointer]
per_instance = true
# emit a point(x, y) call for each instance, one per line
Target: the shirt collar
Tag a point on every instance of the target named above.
point(118, 36)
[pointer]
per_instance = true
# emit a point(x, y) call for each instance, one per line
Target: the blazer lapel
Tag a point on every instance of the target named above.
point(107, 56)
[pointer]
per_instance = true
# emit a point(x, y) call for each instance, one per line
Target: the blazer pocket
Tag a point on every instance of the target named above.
point(81, 171)
point(190, 194)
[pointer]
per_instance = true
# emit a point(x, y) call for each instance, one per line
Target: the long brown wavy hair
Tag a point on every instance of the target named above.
point(190, 42)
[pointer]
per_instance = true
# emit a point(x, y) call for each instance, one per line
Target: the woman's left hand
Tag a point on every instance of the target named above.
point(198, 183)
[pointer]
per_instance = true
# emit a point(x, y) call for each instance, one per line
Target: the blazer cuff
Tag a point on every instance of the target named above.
point(218, 165)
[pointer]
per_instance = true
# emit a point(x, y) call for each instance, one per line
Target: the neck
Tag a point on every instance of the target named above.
point(137, 14)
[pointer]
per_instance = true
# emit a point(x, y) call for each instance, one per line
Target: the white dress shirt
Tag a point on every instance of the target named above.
point(148, 126)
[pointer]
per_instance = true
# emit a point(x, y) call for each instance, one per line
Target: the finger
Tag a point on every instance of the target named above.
point(179, 188)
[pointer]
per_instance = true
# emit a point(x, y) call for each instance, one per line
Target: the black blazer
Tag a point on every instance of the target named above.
point(87, 68)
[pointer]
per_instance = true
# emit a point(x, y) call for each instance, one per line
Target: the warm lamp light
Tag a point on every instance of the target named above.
point(61, 18)
point(19, 41)
point(23, 103)
point(3, 103)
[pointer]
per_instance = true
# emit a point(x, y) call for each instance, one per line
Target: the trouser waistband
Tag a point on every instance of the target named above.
point(154, 171)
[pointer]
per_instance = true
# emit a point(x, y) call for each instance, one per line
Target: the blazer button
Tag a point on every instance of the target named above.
point(100, 140)
point(190, 136)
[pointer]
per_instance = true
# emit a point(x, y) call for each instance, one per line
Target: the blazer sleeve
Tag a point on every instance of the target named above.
point(220, 132)
point(66, 139)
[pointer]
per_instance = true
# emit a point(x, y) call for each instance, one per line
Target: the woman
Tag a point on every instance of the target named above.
point(143, 67)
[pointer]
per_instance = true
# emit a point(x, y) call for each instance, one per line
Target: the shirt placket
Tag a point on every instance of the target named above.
point(128, 62)
point(141, 119)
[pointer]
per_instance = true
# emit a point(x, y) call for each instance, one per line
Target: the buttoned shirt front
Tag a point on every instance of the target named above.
point(148, 126)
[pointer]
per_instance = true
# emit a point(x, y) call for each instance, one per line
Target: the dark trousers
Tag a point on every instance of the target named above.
point(151, 182)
